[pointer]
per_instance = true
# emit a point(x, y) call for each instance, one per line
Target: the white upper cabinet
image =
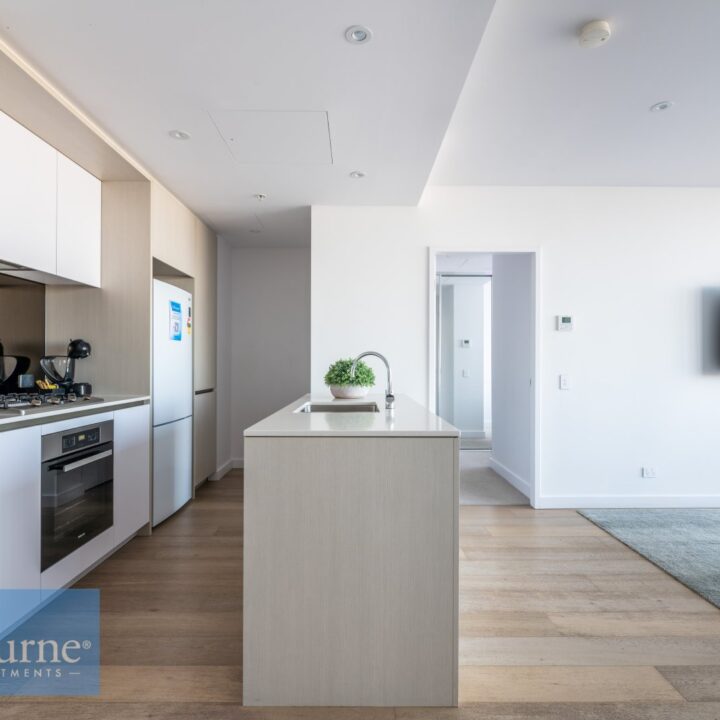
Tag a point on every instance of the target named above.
point(50, 210)
point(28, 194)
point(78, 223)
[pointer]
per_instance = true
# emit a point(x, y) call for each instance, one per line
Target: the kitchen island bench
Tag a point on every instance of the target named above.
point(351, 556)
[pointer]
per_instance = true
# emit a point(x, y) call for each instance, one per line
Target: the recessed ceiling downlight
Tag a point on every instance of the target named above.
point(179, 135)
point(358, 34)
point(260, 196)
point(661, 106)
point(357, 174)
point(594, 34)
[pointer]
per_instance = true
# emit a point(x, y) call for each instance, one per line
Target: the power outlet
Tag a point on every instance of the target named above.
point(648, 472)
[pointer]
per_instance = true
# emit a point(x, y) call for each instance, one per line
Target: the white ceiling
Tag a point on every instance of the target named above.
point(538, 109)
point(143, 68)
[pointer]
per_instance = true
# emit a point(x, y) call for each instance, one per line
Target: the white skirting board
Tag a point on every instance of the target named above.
point(573, 502)
point(549, 502)
point(516, 481)
point(226, 467)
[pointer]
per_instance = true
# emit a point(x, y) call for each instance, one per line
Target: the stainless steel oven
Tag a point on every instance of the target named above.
point(77, 488)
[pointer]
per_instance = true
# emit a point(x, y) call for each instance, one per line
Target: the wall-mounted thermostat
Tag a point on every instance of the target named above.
point(465, 343)
point(563, 323)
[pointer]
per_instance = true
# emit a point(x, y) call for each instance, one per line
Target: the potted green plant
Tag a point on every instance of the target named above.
point(341, 385)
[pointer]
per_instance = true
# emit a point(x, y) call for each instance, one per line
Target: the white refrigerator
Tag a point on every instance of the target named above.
point(172, 399)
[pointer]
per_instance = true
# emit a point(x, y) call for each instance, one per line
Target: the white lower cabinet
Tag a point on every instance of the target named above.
point(19, 523)
point(21, 503)
point(132, 471)
point(65, 571)
point(131, 491)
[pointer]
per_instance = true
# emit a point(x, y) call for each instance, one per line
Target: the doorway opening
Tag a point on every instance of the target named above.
point(483, 367)
point(464, 347)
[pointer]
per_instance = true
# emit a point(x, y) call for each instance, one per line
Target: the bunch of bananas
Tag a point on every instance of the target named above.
point(45, 385)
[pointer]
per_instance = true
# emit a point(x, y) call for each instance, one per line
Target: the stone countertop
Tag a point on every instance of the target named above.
point(10, 419)
point(408, 419)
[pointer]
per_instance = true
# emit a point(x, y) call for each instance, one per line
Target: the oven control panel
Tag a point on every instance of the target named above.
point(79, 440)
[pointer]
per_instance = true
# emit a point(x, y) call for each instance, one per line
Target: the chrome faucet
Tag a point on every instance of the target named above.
point(389, 397)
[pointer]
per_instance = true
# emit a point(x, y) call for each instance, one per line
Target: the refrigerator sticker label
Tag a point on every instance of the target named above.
point(175, 321)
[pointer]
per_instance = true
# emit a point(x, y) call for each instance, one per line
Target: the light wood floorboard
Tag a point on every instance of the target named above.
point(559, 621)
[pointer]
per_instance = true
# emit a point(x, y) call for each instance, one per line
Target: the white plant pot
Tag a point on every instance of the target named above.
point(348, 392)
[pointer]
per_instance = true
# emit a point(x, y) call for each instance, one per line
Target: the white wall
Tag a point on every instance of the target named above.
point(628, 263)
point(270, 334)
point(513, 377)
point(224, 329)
point(445, 314)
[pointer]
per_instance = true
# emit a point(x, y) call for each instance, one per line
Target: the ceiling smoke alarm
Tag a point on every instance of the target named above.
point(594, 34)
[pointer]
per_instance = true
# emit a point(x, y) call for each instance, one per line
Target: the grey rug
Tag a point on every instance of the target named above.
point(684, 543)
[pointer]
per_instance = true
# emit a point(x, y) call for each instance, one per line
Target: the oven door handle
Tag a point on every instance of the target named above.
point(86, 461)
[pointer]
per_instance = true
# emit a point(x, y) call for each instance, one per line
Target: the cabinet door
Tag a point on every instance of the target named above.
point(204, 440)
point(28, 189)
point(131, 479)
point(19, 523)
point(78, 223)
point(205, 308)
point(172, 230)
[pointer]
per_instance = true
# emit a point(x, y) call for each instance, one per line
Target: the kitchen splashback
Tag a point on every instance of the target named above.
point(22, 319)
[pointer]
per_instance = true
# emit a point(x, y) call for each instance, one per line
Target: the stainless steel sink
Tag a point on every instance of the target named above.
point(329, 407)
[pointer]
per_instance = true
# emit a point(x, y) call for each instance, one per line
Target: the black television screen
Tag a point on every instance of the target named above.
point(711, 329)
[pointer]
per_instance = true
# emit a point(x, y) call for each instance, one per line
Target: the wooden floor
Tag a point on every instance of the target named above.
point(559, 621)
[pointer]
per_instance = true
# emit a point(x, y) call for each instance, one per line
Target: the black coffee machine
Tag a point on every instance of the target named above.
point(60, 369)
point(11, 366)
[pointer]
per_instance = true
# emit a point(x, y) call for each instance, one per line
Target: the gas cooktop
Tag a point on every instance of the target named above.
point(25, 403)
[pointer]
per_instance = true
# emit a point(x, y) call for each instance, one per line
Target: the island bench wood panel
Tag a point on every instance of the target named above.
point(350, 581)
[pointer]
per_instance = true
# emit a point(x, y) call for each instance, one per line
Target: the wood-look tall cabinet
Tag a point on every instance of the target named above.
point(205, 352)
point(180, 240)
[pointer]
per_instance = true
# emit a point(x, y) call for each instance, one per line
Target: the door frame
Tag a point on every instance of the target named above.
point(433, 252)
